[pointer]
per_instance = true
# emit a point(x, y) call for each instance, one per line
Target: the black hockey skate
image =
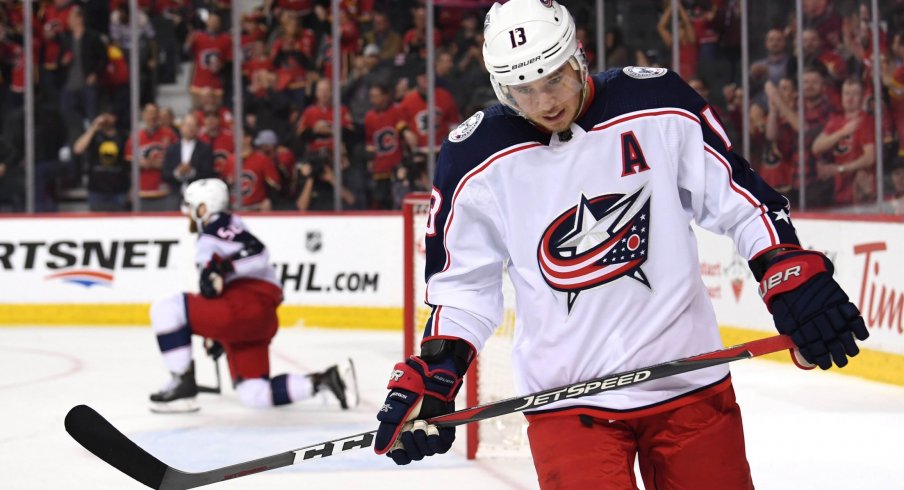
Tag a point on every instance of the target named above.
point(180, 395)
point(340, 381)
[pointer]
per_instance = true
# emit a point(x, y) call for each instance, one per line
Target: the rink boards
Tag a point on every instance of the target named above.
point(345, 271)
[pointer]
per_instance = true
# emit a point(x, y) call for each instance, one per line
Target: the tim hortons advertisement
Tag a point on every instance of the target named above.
point(868, 258)
point(321, 260)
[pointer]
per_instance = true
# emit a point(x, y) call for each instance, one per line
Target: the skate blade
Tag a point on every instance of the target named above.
point(352, 396)
point(182, 405)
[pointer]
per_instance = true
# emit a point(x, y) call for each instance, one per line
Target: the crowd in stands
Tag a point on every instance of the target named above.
point(83, 138)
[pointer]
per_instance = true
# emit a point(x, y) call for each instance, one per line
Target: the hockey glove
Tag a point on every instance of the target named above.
point(213, 348)
point(807, 304)
point(421, 388)
point(213, 275)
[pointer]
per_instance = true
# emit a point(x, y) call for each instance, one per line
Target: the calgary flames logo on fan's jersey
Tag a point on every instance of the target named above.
point(598, 241)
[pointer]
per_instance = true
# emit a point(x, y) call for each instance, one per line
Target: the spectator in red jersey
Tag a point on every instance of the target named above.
point(384, 125)
point(315, 127)
point(188, 159)
point(415, 105)
point(703, 16)
point(54, 20)
point(299, 8)
point(85, 62)
point(893, 79)
point(293, 56)
point(414, 43)
point(847, 150)
point(817, 110)
point(208, 102)
point(349, 40)
point(211, 50)
point(152, 143)
point(835, 65)
point(780, 161)
point(221, 140)
point(252, 31)
point(687, 40)
point(384, 37)
point(14, 53)
point(284, 160)
point(259, 59)
point(259, 176)
point(820, 16)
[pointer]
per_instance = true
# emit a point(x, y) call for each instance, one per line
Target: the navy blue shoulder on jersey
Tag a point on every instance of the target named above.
point(619, 93)
point(500, 128)
point(220, 227)
point(220, 220)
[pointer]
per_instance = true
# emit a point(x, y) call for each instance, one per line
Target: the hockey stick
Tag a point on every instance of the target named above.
point(97, 435)
point(216, 390)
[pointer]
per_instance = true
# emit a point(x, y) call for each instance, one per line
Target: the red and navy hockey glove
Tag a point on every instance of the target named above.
point(421, 388)
point(213, 274)
point(807, 304)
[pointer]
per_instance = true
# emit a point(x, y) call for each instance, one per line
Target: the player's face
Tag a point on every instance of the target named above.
point(551, 102)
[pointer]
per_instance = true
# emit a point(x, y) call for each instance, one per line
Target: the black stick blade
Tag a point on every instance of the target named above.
point(97, 435)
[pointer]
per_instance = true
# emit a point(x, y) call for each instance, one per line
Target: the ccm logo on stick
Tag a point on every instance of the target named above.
point(779, 277)
point(584, 389)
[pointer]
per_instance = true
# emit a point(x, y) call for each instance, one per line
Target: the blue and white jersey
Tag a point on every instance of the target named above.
point(595, 234)
point(226, 236)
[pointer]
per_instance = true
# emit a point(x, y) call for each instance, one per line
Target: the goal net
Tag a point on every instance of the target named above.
point(490, 377)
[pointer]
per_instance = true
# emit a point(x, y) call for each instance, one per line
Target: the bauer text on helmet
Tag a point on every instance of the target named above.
point(528, 41)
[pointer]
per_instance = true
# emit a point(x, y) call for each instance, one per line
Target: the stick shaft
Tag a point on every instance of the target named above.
point(100, 437)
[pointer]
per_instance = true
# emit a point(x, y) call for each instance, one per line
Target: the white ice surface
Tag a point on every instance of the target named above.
point(805, 430)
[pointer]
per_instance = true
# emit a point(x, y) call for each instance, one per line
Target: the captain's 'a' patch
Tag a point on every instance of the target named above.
point(642, 72)
point(466, 128)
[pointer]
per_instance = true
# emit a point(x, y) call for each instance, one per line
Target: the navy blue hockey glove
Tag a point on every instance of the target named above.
point(807, 304)
point(421, 388)
point(213, 275)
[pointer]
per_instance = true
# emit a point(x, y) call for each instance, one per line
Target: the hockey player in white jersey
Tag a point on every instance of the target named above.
point(237, 309)
point(584, 187)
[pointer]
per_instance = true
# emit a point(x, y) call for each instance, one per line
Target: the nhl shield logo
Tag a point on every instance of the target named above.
point(313, 241)
point(598, 241)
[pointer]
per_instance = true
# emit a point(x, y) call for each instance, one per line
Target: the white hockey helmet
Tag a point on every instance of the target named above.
point(212, 193)
point(526, 40)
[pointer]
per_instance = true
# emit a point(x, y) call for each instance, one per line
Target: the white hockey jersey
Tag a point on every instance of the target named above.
point(595, 233)
point(226, 236)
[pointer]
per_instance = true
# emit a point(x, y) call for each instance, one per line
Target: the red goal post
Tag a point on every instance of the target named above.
point(490, 376)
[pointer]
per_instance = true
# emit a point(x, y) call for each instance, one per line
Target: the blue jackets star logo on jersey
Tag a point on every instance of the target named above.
point(596, 242)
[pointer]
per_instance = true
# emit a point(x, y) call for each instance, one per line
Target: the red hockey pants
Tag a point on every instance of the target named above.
point(244, 320)
point(694, 447)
